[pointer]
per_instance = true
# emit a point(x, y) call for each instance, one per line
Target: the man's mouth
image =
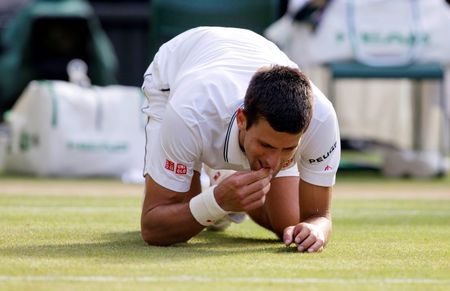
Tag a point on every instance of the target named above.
point(261, 166)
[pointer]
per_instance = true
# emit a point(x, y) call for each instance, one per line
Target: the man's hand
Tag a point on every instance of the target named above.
point(243, 191)
point(308, 237)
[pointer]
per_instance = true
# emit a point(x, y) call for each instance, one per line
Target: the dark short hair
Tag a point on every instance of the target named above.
point(282, 96)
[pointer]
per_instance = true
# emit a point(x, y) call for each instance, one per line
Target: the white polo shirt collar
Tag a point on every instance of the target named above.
point(232, 152)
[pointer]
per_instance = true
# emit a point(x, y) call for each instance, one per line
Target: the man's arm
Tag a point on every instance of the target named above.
point(166, 215)
point(314, 229)
point(166, 218)
point(281, 206)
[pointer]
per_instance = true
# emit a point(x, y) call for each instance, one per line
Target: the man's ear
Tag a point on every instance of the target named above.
point(241, 119)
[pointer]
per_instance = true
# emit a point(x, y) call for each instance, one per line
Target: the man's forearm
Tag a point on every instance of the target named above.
point(168, 224)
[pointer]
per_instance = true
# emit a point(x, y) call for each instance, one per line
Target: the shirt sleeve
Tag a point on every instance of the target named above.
point(174, 157)
point(320, 150)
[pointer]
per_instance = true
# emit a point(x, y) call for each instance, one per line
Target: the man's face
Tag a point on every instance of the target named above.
point(265, 147)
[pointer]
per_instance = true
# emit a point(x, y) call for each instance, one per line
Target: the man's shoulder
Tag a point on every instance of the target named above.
point(323, 107)
point(323, 123)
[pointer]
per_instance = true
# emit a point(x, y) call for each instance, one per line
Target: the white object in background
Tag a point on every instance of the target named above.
point(396, 162)
point(133, 176)
point(373, 31)
point(417, 164)
point(62, 129)
point(427, 164)
point(77, 71)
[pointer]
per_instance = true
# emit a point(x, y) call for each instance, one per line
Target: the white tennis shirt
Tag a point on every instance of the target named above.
point(194, 86)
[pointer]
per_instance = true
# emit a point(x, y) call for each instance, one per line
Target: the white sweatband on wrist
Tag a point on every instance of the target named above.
point(205, 208)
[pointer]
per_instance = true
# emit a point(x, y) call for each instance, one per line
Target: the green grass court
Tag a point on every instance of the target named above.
point(389, 234)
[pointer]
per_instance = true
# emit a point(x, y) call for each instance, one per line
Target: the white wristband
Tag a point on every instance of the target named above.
point(205, 208)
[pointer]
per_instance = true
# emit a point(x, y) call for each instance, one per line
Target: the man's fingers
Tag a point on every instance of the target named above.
point(307, 237)
point(240, 189)
point(256, 196)
point(256, 200)
point(247, 178)
point(306, 243)
point(312, 243)
point(255, 187)
point(316, 247)
point(255, 204)
point(288, 235)
point(301, 233)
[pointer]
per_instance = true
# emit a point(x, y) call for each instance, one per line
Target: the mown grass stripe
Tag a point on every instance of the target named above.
point(68, 208)
point(205, 279)
point(338, 212)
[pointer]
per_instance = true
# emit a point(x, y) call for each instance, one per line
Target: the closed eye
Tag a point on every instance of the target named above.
point(269, 146)
point(266, 145)
point(290, 149)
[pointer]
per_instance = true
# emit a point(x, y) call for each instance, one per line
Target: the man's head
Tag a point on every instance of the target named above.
point(280, 95)
point(277, 111)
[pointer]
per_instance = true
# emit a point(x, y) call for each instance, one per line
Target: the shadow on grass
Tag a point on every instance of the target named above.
point(129, 246)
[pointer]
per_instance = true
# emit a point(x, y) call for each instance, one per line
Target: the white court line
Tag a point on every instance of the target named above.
point(205, 279)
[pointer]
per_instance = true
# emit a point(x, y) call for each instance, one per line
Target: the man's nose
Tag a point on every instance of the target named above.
point(273, 160)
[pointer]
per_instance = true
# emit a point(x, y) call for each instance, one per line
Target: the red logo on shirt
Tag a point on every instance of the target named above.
point(170, 165)
point(328, 168)
point(181, 169)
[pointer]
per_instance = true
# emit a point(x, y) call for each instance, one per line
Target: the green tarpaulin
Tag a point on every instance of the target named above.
point(40, 41)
